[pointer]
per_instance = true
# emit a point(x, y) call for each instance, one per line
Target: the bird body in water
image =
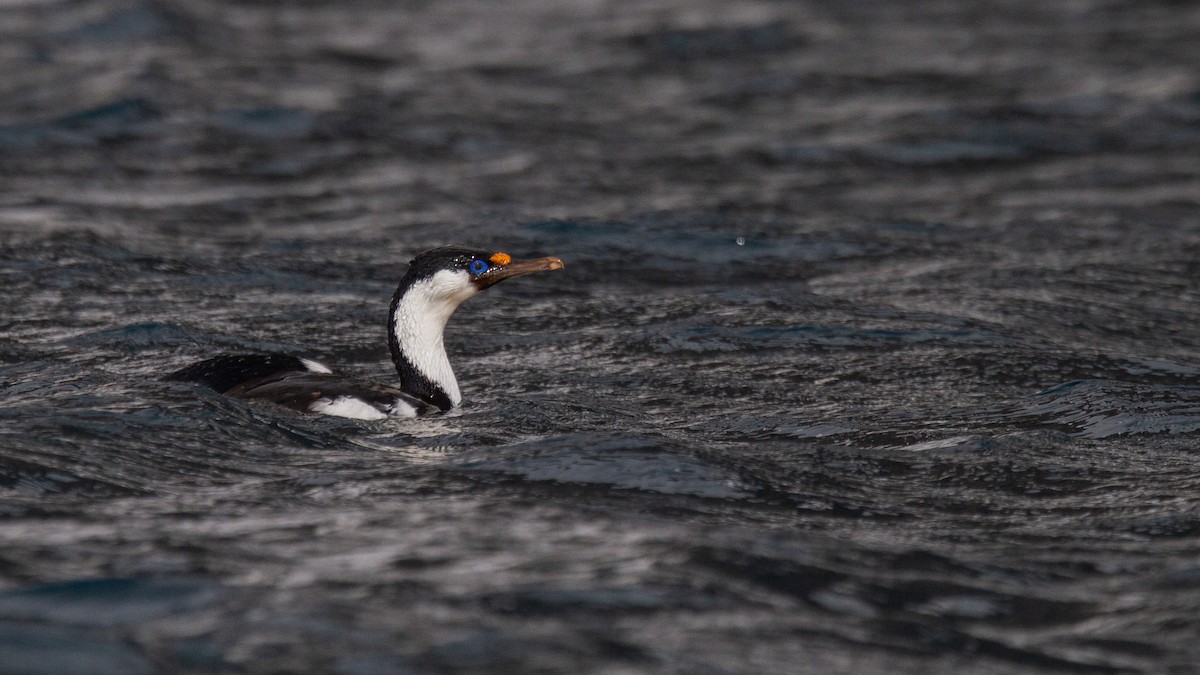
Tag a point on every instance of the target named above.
point(437, 282)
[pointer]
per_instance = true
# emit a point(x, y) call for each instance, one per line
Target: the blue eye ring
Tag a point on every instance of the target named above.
point(477, 267)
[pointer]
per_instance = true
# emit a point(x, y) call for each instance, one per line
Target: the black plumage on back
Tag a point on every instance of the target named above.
point(229, 370)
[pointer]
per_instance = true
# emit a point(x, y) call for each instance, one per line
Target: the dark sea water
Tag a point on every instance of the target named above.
point(877, 347)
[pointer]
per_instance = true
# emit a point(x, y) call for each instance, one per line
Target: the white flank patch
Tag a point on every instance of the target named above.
point(401, 408)
point(347, 406)
point(314, 367)
point(421, 317)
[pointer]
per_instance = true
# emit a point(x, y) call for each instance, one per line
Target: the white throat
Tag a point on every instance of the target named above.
point(420, 319)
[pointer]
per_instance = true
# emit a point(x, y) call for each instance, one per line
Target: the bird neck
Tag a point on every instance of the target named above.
point(419, 312)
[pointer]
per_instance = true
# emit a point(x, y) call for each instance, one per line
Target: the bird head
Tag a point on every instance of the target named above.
point(457, 273)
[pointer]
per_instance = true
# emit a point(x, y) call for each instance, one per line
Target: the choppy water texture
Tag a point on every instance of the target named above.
point(877, 346)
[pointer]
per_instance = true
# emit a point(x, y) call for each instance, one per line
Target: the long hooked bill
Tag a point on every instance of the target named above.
point(518, 268)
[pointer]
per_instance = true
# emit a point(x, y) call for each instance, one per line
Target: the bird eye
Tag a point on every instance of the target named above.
point(477, 267)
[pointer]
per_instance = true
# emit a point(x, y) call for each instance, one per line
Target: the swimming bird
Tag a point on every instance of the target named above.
point(437, 282)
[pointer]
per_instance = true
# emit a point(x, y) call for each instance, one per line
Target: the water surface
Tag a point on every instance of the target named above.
point(876, 348)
